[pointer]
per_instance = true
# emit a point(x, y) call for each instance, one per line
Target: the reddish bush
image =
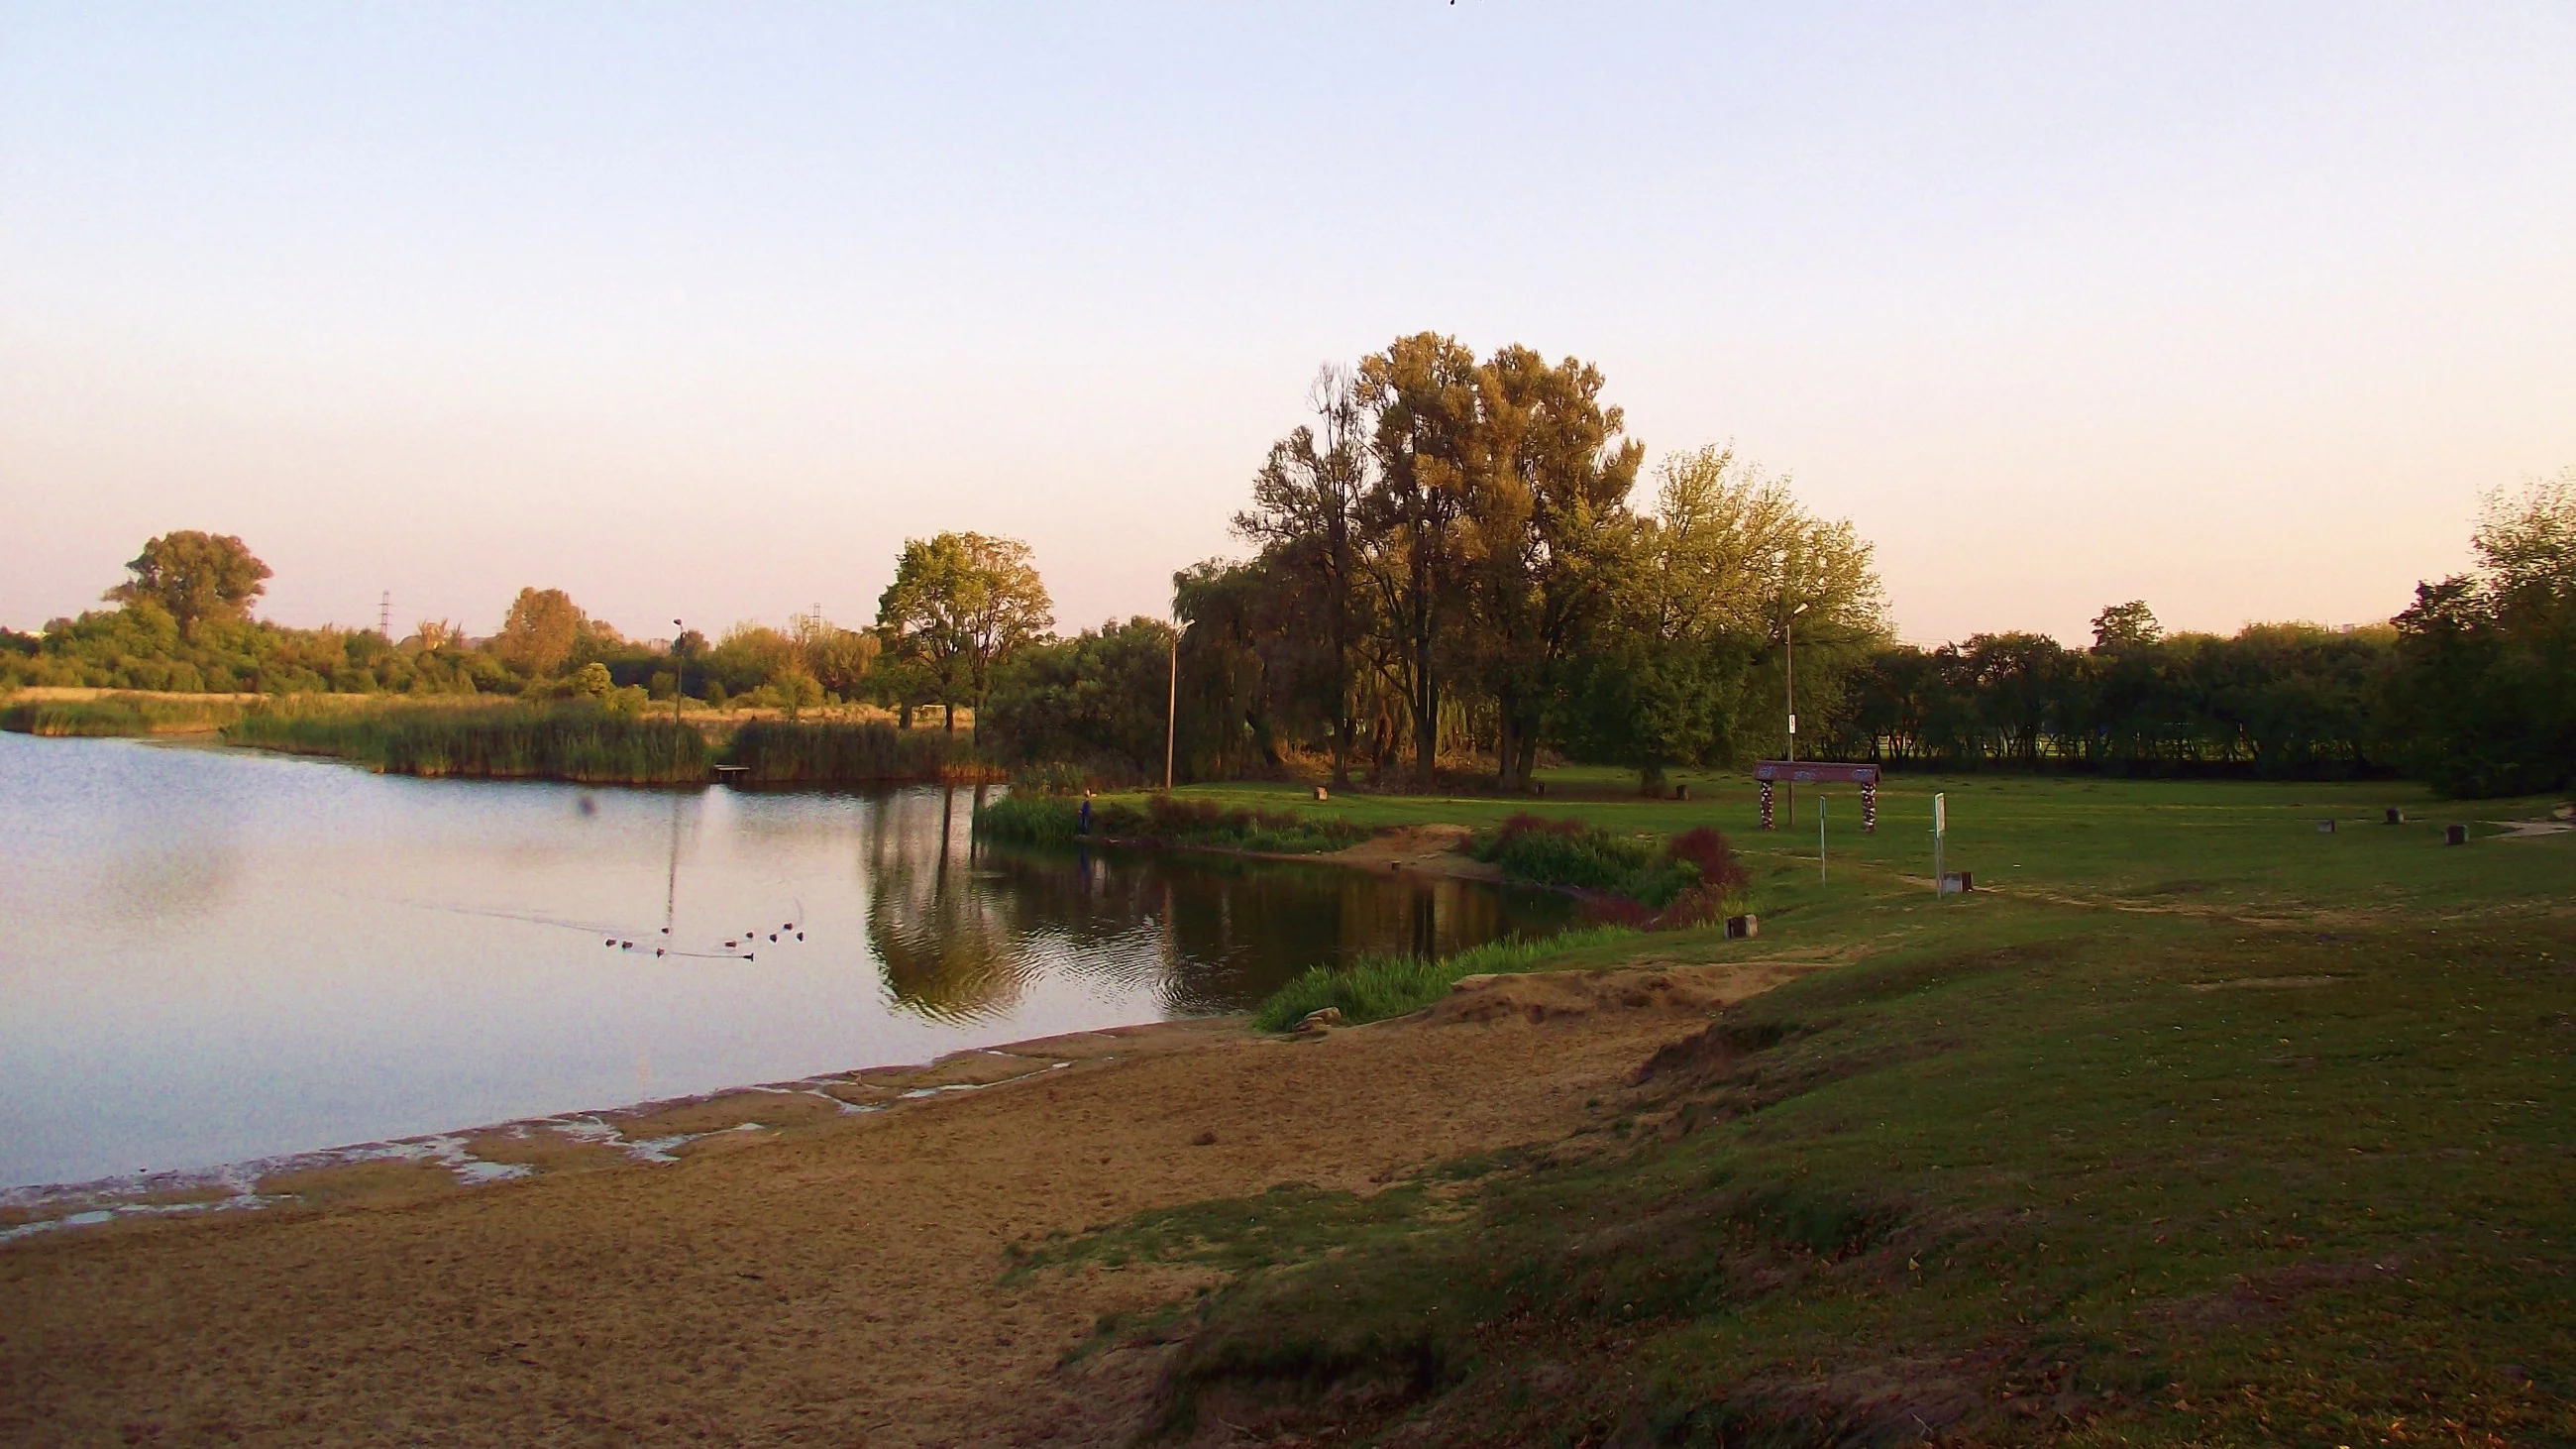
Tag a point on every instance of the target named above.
point(1609, 908)
point(1705, 848)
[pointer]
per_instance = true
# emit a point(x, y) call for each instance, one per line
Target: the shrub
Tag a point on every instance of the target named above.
point(1372, 988)
point(1625, 880)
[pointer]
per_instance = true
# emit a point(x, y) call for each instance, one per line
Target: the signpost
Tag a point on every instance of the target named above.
point(1820, 840)
point(1770, 774)
point(1940, 827)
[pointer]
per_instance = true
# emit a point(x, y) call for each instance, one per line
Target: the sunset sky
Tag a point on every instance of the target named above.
point(700, 311)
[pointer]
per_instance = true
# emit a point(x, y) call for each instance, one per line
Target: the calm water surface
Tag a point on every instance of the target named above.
point(208, 955)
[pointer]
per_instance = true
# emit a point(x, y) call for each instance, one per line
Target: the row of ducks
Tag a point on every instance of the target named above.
point(747, 938)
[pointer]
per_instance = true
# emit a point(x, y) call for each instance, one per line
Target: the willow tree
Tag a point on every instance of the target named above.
point(960, 605)
point(1727, 563)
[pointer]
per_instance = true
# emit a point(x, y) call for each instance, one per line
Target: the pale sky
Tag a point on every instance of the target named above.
point(701, 310)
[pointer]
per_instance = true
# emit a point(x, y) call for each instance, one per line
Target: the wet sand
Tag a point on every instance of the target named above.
point(824, 1277)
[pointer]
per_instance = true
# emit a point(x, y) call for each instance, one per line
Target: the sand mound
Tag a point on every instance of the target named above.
point(1663, 990)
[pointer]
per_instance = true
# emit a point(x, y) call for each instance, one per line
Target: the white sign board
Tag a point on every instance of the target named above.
point(1940, 814)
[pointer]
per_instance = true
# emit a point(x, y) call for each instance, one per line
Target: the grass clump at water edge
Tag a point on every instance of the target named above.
point(1029, 818)
point(1372, 988)
point(790, 752)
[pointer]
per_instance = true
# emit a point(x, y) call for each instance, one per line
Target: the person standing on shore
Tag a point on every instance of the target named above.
point(1084, 828)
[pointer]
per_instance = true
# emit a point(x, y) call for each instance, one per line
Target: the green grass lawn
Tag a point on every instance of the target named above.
point(2201, 1126)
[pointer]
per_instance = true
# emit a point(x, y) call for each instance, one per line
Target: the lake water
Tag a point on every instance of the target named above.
point(208, 955)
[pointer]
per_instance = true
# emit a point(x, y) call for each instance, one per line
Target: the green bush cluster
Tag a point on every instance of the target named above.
point(1572, 855)
point(1373, 988)
point(575, 741)
point(1164, 820)
point(140, 646)
point(1630, 880)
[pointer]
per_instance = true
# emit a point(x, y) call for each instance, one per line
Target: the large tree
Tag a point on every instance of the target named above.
point(538, 635)
point(1431, 455)
point(2485, 687)
point(1547, 527)
point(960, 605)
point(1097, 700)
point(194, 576)
point(1306, 512)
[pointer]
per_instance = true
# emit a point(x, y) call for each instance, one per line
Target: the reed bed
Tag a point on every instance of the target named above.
point(118, 714)
point(791, 752)
point(578, 742)
point(1372, 988)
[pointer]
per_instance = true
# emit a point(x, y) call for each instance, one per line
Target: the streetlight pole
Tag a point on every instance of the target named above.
point(1789, 670)
point(679, 671)
point(1172, 713)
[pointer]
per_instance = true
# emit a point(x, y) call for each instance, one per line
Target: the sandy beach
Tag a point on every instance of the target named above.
point(823, 1277)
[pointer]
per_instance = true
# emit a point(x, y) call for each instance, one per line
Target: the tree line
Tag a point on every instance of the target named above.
point(2472, 687)
point(1460, 566)
point(960, 605)
point(1460, 563)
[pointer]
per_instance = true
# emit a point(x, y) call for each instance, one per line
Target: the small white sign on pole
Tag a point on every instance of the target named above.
point(1940, 814)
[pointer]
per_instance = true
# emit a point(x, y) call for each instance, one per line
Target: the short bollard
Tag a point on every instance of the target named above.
point(1323, 794)
point(2455, 835)
point(1741, 928)
point(2396, 816)
point(2325, 827)
point(1958, 882)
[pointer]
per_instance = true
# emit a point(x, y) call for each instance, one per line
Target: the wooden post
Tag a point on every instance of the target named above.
point(1172, 713)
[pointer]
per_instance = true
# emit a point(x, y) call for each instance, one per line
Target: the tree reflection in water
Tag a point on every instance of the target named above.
point(964, 931)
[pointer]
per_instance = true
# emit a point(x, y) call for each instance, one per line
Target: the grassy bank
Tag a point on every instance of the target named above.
point(787, 752)
point(2194, 1124)
point(118, 714)
point(1373, 988)
point(1165, 821)
point(571, 741)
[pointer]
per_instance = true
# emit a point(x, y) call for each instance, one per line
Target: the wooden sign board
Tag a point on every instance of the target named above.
point(1815, 772)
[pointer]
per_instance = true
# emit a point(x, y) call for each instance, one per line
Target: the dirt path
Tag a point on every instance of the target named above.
point(837, 1281)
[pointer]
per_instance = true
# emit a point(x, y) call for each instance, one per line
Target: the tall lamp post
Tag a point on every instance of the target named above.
point(1172, 712)
point(1789, 654)
point(679, 671)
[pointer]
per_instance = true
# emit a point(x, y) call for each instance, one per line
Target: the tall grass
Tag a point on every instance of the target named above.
point(791, 752)
point(1164, 821)
point(117, 714)
point(1030, 819)
point(573, 741)
point(1373, 988)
